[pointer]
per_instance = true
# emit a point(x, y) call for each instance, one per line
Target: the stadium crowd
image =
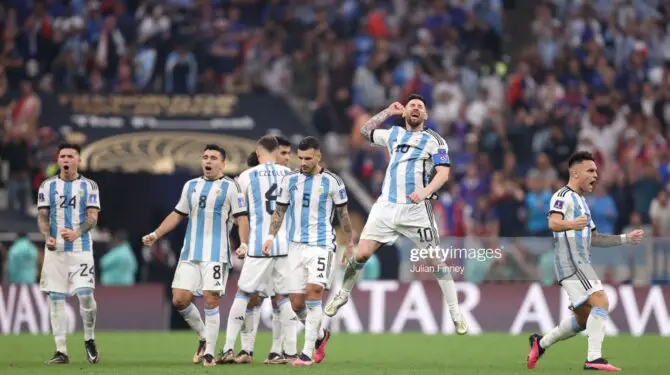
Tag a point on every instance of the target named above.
point(597, 78)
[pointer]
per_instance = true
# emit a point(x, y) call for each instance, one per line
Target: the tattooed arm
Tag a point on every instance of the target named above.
point(345, 221)
point(610, 240)
point(277, 219)
point(43, 221)
point(90, 222)
point(376, 120)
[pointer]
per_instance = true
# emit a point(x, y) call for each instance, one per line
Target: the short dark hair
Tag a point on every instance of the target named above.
point(218, 148)
point(283, 141)
point(268, 142)
point(69, 146)
point(417, 97)
point(252, 159)
point(579, 157)
point(308, 143)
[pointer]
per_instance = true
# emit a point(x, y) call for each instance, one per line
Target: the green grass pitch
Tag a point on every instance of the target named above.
point(490, 354)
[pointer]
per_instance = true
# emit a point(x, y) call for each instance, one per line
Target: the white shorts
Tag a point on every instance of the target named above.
point(65, 272)
point(197, 277)
point(387, 221)
point(309, 265)
point(580, 287)
point(266, 276)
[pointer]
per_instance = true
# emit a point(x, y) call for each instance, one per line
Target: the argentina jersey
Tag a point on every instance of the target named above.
point(210, 206)
point(67, 202)
point(311, 204)
point(260, 185)
point(571, 247)
point(414, 155)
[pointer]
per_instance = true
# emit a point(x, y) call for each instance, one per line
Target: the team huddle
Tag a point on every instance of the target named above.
point(287, 240)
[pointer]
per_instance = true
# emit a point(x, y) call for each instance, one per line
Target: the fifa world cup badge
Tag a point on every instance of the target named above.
point(558, 205)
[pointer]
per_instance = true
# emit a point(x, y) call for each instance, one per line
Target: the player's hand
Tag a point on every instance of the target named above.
point(635, 237)
point(580, 223)
point(267, 246)
point(51, 243)
point(149, 239)
point(396, 109)
point(348, 253)
point(241, 251)
point(417, 196)
point(69, 234)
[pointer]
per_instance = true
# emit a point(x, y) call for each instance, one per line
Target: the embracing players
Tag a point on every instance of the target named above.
point(68, 209)
point(574, 234)
point(309, 199)
point(263, 274)
point(211, 203)
point(403, 208)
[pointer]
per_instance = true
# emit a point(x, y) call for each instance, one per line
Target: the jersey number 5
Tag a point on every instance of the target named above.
point(270, 197)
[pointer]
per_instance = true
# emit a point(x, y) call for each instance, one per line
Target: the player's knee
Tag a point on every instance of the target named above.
point(211, 299)
point(314, 292)
point(53, 296)
point(180, 300)
point(582, 315)
point(599, 299)
point(297, 302)
point(278, 301)
point(86, 299)
point(365, 250)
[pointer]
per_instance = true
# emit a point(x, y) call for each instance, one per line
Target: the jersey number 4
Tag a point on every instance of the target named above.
point(270, 197)
point(65, 202)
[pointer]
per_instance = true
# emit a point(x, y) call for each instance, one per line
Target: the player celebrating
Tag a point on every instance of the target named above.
point(259, 184)
point(211, 202)
point(68, 207)
point(253, 315)
point(309, 197)
point(574, 233)
point(402, 208)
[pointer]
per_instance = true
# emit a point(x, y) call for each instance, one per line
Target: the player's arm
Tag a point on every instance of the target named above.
point(239, 211)
point(557, 223)
point(277, 218)
point(560, 205)
point(607, 240)
point(441, 177)
point(171, 220)
point(339, 196)
point(90, 222)
point(43, 221)
point(369, 127)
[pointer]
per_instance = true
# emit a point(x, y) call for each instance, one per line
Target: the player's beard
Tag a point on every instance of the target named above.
point(414, 122)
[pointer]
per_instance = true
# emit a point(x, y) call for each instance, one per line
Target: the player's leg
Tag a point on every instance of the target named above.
point(214, 279)
point(317, 263)
point(420, 226)
point(54, 281)
point(252, 320)
point(287, 317)
point(595, 327)
point(186, 281)
point(251, 276)
point(566, 329)
point(82, 269)
point(377, 231)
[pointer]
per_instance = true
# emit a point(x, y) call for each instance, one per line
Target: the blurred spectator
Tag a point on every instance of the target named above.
point(118, 266)
point(537, 206)
point(111, 47)
point(16, 151)
point(603, 209)
point(22, 262)
point(181, 72)
point(159, 263)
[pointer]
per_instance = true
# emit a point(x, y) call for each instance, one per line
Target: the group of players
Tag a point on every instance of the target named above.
point(284, 219)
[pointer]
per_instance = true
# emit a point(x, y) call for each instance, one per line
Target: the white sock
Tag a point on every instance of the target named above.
point(595, 328)
point(192, 316)
point(88, 310)
point(236, 317)
point(564, 330)
point(257, 322)
point(212, 326)
point(351, 274)
point(450, 295)
point(276, 332)
point(247, 328)
point(312, 326)
point(288, 321)
point(58, 320)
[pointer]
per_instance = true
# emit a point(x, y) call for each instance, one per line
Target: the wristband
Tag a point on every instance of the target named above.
point(270, 237)
point(153, 234)
point(243, 246)
point(624, 239)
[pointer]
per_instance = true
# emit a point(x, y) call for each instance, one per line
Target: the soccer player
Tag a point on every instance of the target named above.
point(574, 234)
point(403, 208)
point(253, 316)
point(211, 202)
point(259, 272)
point(68, 206)
point(309, 198)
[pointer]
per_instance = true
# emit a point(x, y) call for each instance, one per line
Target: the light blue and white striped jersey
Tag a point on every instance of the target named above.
point(260, 185)
point(413, 158)
point(311, 204)
point(67, 202)
point(572, 247)
point(211, 206)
